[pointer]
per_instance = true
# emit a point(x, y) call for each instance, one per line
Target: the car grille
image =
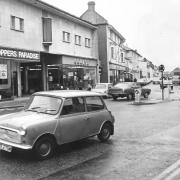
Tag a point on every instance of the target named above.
point(8, 135)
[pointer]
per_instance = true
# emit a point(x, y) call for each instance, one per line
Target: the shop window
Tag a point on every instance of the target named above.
point(3, 74)
point(17, 23)
point(87, 42)
point(77, 40)
point(3, 81)
point(66, 36)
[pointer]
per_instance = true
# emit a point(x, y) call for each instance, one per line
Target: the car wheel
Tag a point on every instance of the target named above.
point(105, 133)
point(44, 148)
point(114, 97)
point(146, 95)
point(130, 97)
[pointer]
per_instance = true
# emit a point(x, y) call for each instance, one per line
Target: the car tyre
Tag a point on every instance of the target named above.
point(130, 97)
point(146, 95)
point(105, 133)
point(114, 97)
point(44, 148)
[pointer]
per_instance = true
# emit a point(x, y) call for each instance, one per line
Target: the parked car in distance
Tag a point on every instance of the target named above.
point(127, 89)
point(103, 89)
point(156, 80)
point(53, 118)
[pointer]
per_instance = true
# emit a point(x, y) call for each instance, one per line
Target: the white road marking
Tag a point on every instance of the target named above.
point(171, 170)
point(173, 175)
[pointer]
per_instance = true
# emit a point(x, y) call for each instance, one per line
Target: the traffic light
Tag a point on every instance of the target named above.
point(100, 70)
point(161, 68)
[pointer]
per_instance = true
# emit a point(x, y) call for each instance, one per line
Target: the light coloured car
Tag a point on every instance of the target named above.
point(127, 89)
point(53, 118)
point(103, 89)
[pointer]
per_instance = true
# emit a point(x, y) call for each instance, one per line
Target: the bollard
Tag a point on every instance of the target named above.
point(137, 95)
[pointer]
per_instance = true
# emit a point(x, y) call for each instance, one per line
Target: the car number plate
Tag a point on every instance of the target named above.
point(6, 147)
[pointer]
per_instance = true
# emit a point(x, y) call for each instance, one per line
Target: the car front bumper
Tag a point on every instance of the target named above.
point(15, 145)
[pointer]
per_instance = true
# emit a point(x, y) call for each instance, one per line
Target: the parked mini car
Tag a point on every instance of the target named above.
point(103, 89)
point(53, 118)
point(127, 89)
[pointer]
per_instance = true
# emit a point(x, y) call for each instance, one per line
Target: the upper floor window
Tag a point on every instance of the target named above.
point(122, 57)
point(47, 29)
point(17, 23)
point(66, 36)
point(111, 35)
point(87, 42)
point(0, 19)
point(112, 52)
point(77, 40)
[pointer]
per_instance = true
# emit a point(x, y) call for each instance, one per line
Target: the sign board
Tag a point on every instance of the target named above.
point(81, 62)
point(3, 71)
point(19, 54)
point(78, 62)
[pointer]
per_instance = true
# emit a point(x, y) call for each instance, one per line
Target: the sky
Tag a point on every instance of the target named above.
point(152, 27)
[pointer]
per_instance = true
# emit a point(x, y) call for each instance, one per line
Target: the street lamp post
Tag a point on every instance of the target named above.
point(161, 69)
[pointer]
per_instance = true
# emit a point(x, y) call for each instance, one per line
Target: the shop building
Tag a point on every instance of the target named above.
point(113, 66)
point(133, 58)
point(43, 47)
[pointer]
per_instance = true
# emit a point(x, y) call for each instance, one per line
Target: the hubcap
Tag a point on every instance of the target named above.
point(44, 149)
point(105, 133)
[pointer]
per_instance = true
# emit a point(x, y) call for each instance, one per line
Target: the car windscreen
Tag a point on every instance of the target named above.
point(100, 86)
point(44, 104)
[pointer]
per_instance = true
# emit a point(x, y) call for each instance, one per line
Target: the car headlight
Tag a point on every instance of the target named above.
point(22, 132)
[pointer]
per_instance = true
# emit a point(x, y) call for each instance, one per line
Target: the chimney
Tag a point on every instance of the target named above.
point(91, 5)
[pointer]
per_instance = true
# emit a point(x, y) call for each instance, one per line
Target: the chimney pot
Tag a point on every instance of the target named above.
point(91, 5)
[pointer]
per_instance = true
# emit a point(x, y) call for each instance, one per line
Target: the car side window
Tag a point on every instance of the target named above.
point(73, 105)
point(94, 103)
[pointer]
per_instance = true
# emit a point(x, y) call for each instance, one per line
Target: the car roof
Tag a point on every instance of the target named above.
point(67, 93)
point(103, 83)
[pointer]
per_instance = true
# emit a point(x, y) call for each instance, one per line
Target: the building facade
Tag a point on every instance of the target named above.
point(146, 69)
point(133, 59)
point(43, 47)
point(113, 66)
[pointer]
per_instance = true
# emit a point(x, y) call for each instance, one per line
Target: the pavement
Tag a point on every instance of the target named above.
point(16, 102)
point(154, 98)
point(156, 95)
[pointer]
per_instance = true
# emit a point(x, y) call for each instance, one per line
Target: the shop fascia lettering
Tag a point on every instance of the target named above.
point(10, 53)
point(82, 62)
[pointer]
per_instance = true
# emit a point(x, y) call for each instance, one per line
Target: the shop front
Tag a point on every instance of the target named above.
point(12, 64)
point(66, 72)
point(117, 73)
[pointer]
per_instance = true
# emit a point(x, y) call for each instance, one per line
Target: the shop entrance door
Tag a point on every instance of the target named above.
point(15, 83)
point(31, 78)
